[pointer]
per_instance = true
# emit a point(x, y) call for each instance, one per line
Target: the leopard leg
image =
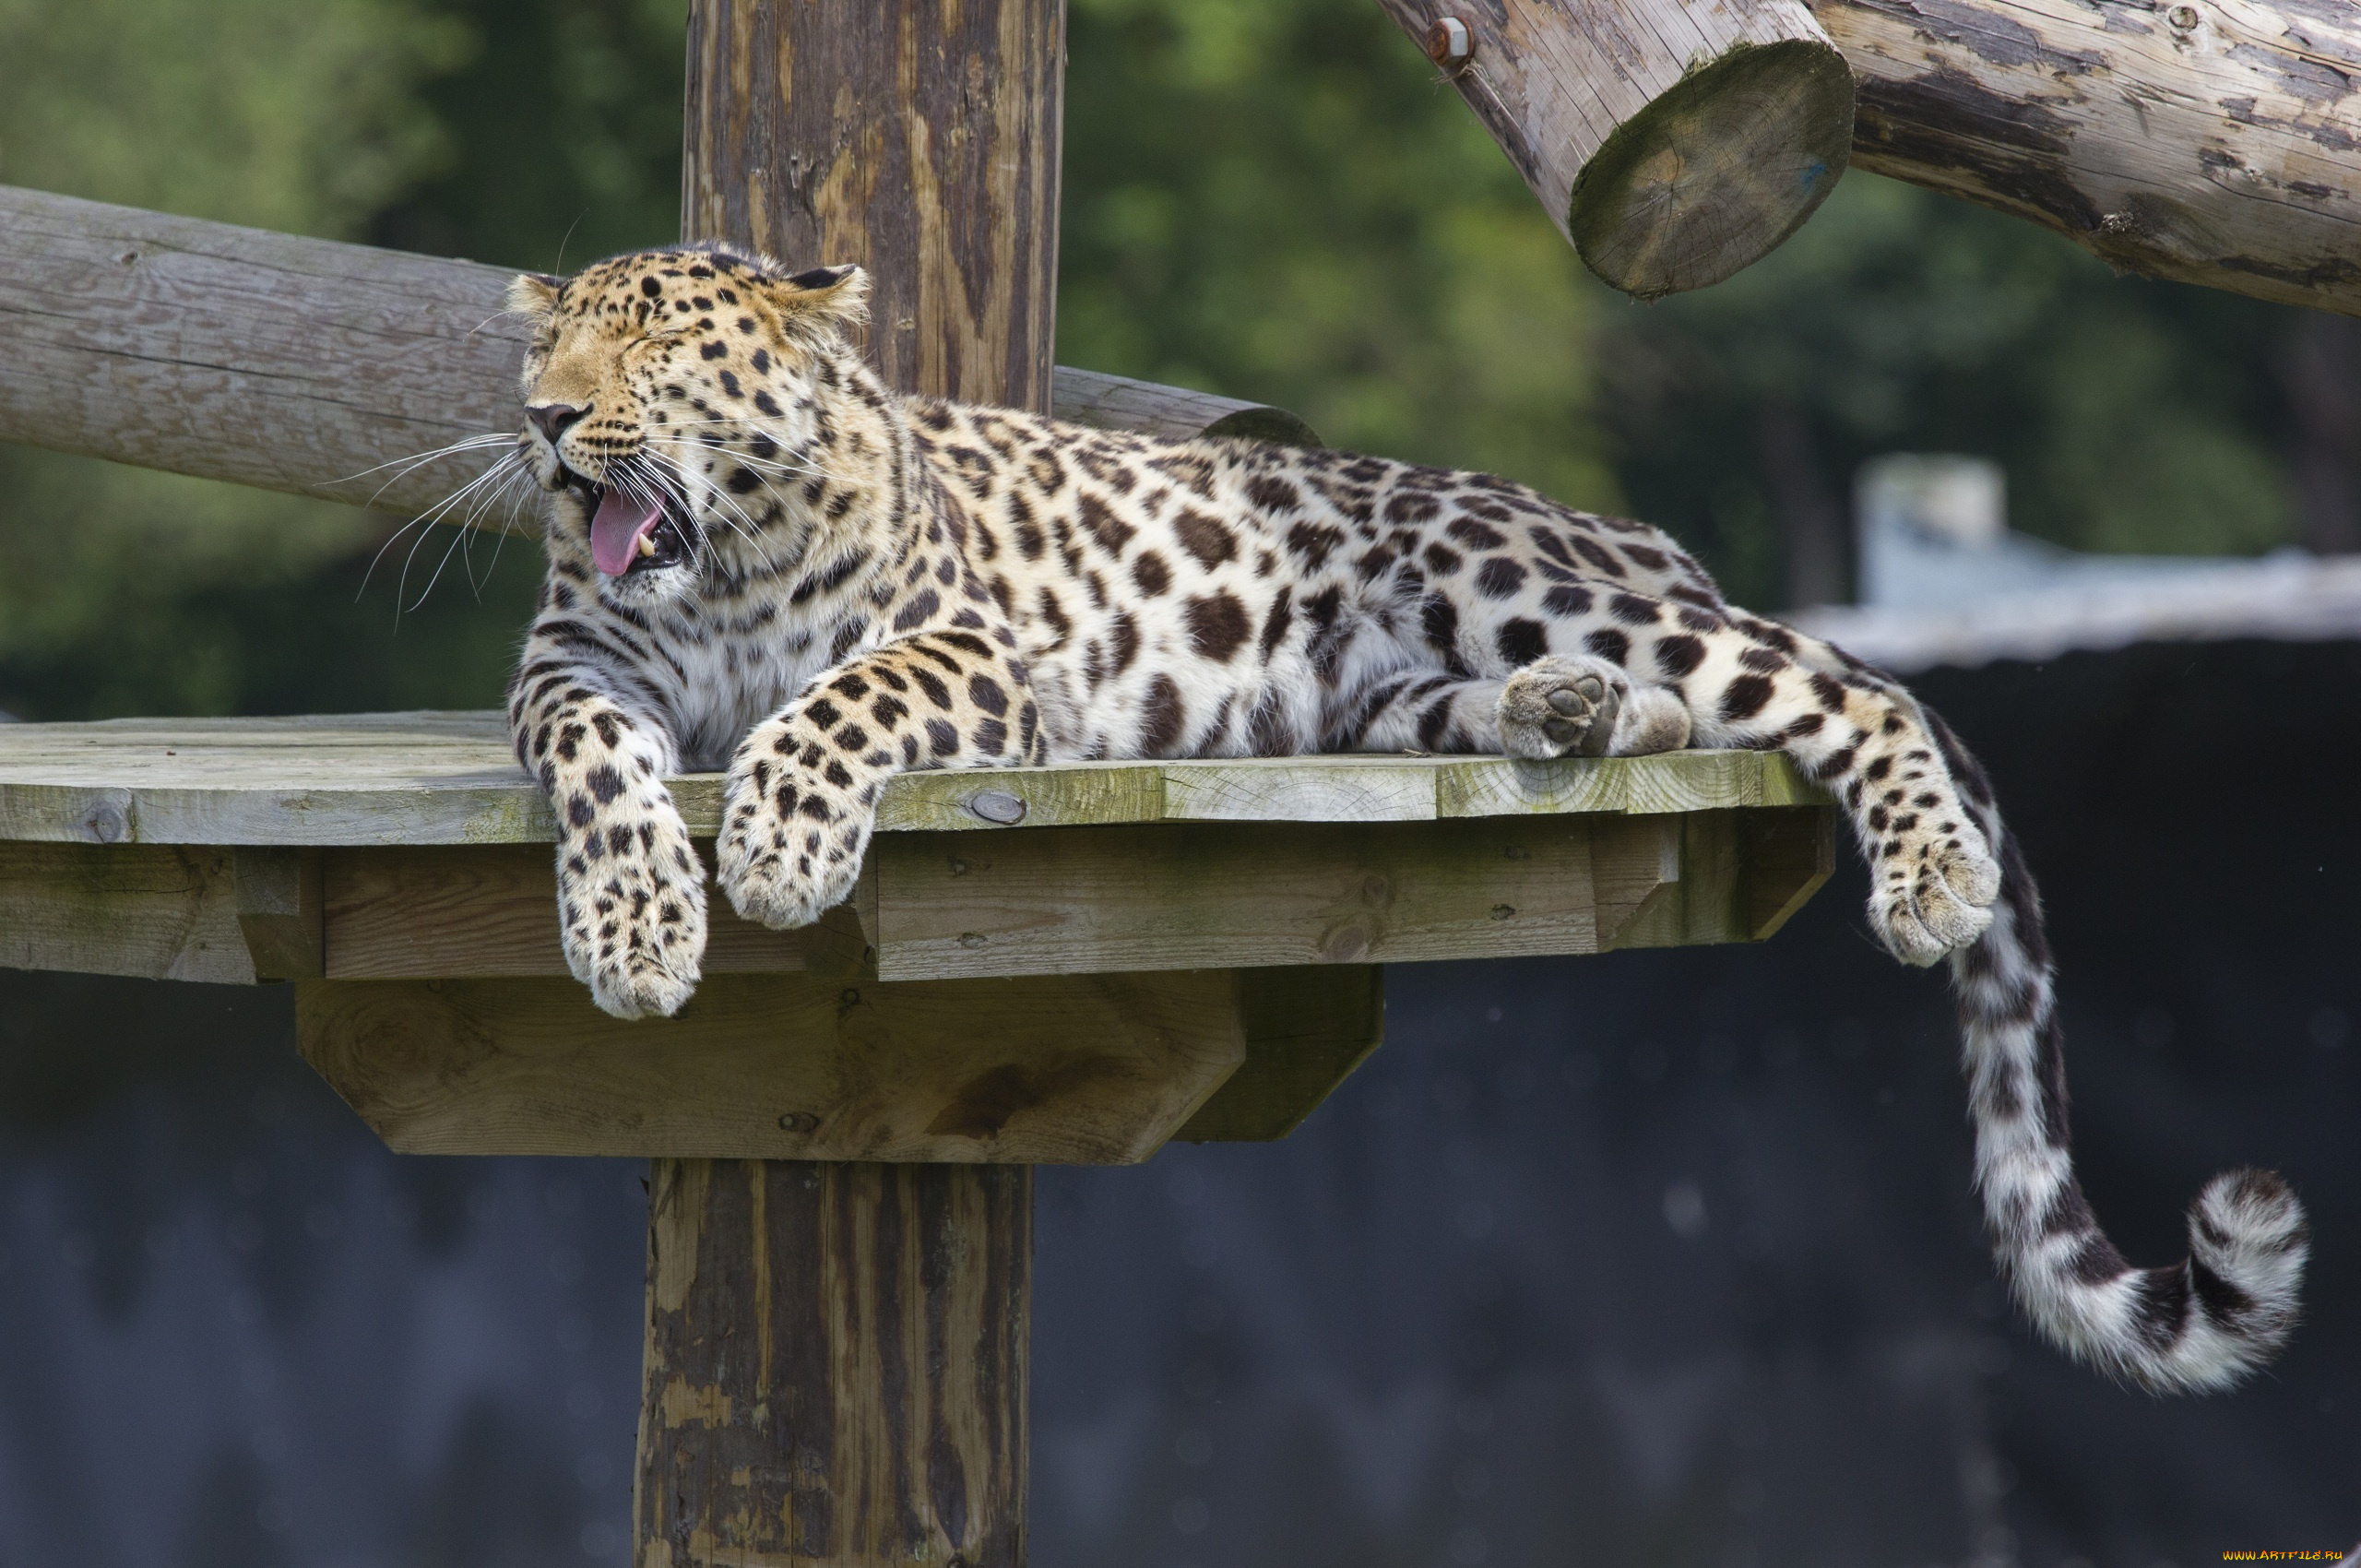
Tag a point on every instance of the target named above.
point(630, 887)
point(1560, 706)
point(800, 801)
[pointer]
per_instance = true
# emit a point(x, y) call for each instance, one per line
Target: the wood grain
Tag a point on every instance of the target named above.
point(1078, 900)
point(1673, 141)
point(1088, 1070)
point(836, 1365)
point(918, 138)
point(153, 913)
point(2208, 142)
point(269, 359)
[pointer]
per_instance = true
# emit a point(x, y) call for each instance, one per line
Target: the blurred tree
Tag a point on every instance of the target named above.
point(133, 589)
point(1275, 199)
point(2129, 415)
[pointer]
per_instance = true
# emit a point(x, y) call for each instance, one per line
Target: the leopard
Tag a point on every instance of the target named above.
point(763, 561)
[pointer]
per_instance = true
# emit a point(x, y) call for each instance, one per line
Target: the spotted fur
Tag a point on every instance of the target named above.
point(841, 583)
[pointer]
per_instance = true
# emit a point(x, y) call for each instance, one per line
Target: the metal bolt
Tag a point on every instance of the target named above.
point(2182, 17)
point(1449, 43)
point(798, 1121)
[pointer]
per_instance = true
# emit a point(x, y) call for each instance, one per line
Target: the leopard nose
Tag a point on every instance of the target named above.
point(552, 419)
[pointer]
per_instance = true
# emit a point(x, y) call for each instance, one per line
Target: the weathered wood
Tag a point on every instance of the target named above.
point(2208, 141)
point(277, 894)
point(270, 360)
point(1115, 402)
point(150, 912)
point(1306, 1029)
point(1673, 142)
point(836, 1369)
point(922, 139)
point(918, 139)
point(1089, 1070)
point(421, 779)
point(1079, 900)
point(489, 911)
point(1787, 856)
point(323, 369)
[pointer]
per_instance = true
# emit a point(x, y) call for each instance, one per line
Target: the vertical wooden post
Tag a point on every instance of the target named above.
point(836, 1361)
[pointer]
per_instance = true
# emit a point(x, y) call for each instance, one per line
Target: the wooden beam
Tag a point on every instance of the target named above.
point(1673, 142)
point(1084, 1070)
point(836, 1373)
point(152, 912)
point(2210, 141)
point(321, 368)
point(920, 139)
point(1306, 1030)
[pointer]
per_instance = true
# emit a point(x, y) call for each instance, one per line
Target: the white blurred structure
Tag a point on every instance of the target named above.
point(1944, 581)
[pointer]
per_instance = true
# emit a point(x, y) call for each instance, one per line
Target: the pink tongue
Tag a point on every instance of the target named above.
point(616, 531)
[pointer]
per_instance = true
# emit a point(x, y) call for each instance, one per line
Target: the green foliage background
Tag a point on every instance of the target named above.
point(1266, 197)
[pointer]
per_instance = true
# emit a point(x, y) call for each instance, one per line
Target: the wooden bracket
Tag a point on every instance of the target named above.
point(280, 911)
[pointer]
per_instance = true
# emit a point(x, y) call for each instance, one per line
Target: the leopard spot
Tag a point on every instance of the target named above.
point(1499, 578)
point(1218, 625)
point(1204, 538)
point(1520, 642)
point(1162, 718)
point(1151, 574)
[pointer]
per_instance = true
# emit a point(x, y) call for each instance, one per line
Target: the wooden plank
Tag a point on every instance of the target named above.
point(836, 1365)
point(150, 912)
point(451, 778)
point(491, 911)
point(1307, 1028)
point(278, 895)
point(1188, 895)
point(1084, 1070)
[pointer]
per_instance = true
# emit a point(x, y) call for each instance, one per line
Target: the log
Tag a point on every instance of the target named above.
point(2204, 141)
point(321, 368)
point(1673, 143)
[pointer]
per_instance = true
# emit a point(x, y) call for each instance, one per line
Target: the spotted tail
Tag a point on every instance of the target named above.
point(2195, 1326)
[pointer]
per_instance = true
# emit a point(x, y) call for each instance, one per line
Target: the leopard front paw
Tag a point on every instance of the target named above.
point(1932, 895)
point(792, 841)
point(632, 916)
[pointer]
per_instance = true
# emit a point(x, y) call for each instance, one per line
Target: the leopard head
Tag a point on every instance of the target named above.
point(677, 403)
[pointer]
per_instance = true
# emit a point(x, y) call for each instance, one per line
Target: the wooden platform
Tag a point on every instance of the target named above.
point(1067, 963)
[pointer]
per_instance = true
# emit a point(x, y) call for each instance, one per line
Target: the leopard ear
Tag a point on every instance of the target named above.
point(534, 294)
point(825, 297)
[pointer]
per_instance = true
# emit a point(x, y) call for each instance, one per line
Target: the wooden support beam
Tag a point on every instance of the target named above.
point(835, 1372)
point(320, 368)
point(922, 140)
point(280, 913)
point(2205, 141)
point(1076, 1070)
point(1673, 141)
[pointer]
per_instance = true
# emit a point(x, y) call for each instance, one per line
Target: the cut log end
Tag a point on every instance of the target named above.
point(1715, 172)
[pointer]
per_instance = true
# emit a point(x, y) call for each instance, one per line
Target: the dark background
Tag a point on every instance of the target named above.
point(1657, 1258)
